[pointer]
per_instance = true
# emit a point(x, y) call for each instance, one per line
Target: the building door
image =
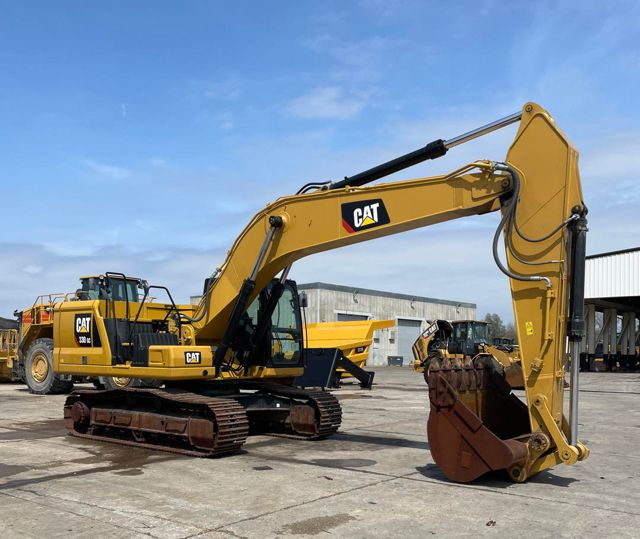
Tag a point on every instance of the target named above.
point(408, 331)
point(343, 317)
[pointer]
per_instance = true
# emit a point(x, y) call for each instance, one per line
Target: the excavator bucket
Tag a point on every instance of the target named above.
point(476, 424)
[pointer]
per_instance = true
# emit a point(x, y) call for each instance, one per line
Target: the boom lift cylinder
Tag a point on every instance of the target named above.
point(433, 150)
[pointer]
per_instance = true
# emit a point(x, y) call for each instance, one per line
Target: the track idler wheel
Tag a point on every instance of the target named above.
point(475, 421)
point(80, 415)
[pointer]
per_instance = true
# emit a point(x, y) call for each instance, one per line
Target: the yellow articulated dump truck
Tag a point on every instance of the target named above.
point(339, 350)
point(354, 338)
point(33, 361)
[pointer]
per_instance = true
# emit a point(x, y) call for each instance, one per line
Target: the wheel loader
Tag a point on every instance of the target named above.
point(229, 363)
point(458, 340)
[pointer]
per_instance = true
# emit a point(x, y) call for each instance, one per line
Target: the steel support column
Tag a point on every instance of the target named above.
point(589, 352)
point(610, 338)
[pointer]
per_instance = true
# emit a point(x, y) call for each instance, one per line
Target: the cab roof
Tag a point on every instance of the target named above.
point(129, 278)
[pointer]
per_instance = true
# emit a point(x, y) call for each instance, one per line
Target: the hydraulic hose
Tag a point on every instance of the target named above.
point(507, 216)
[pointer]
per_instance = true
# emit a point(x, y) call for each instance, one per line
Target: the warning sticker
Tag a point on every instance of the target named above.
point(528, 326)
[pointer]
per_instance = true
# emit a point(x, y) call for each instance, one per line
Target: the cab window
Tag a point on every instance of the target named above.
point(123, 290)
point(285, 333)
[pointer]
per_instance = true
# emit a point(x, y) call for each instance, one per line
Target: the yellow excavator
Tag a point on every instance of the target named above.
point(229, 363)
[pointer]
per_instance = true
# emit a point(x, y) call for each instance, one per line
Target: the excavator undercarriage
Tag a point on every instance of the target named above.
point(206, 424)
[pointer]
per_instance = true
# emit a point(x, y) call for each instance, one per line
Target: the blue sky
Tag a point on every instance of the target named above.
point(142, 136)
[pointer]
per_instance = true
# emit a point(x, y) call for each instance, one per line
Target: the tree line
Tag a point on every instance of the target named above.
point(498, 329)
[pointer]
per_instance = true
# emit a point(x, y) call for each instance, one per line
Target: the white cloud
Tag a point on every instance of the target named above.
point(75, 247)
point(32, 269)
point(182, 270)
point(144, 225)
point(327, 102)
point(110, 171)
point(359, 63)
point(228, 89)
point(157, 162)
point(618, 156)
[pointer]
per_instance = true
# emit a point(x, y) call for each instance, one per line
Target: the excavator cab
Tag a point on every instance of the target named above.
point(272, 327)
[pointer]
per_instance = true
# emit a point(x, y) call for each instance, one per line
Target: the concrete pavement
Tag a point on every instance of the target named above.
point(375, 478)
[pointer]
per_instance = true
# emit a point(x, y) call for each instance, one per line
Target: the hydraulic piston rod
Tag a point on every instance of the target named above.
point(433, 150)
point(576, 318)
point(245, 292)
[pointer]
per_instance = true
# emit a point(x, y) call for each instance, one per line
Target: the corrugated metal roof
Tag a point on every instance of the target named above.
point(613, 275)
point(609, 253)
point(382, 293)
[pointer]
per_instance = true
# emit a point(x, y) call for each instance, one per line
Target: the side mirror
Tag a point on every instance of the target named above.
point(302, 300)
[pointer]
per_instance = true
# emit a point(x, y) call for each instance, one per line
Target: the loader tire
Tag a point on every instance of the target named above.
point(118, 382)
point(38, 370)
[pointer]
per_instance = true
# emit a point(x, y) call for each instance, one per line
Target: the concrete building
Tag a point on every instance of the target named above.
point(612, 307)
point(331, 302)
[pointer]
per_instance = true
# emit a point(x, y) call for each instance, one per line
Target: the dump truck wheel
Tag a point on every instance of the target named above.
point(121, 382)
point(38, 370)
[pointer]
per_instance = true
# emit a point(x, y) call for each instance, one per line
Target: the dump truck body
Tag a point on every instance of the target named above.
point(354, 338)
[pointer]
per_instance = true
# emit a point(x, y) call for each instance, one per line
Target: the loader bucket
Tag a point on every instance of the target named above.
point(475, 424)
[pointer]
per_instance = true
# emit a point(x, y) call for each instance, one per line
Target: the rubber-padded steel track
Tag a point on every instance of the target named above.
point(328, 412)
point(175, 421)
point(190, 423)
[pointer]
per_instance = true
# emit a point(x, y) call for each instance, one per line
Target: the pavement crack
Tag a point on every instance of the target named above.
point(232, 534)
point(512, 493)
point(224, 527)
point(65, 510)
point(144, 514)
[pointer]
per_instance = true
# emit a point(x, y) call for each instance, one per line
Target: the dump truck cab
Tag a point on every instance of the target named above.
point(115, 287)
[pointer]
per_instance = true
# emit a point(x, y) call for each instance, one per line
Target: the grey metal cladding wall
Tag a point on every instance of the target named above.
point(332, 302)
point(325, 304)
point(613, 275)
